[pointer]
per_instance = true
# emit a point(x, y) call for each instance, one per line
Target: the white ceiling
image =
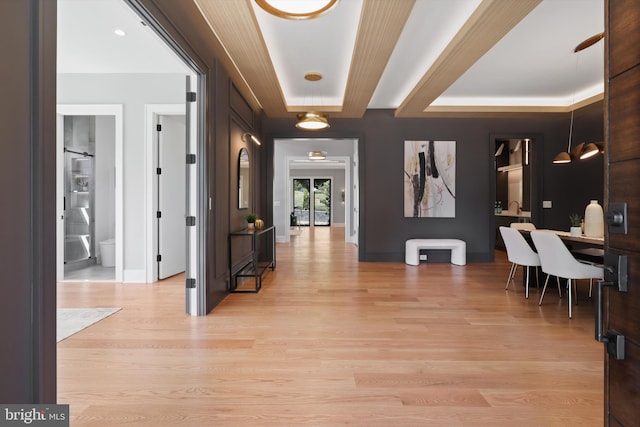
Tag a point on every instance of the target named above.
point(532, 66)
point(87, 43)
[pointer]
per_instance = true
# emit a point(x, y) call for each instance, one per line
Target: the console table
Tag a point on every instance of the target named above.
point(254, 265)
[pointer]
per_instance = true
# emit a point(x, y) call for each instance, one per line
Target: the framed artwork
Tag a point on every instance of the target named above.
point(430, 179)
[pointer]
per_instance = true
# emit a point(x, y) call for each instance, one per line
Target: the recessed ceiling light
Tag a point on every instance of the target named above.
point(120, 32)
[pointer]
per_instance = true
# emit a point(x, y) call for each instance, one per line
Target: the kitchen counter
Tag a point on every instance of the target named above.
point(514, 214)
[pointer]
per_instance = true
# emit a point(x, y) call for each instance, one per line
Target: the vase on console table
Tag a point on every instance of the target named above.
point(593, 220)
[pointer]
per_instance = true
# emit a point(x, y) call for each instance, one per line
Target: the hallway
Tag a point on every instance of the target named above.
point(329, 341)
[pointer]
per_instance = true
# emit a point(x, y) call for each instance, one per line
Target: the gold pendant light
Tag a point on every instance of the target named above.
point(317, 155)
point(312, 120)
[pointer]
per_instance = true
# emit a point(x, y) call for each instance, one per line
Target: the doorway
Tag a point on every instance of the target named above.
point(89, 192)
point(291, 160)
point(166, 146)
point(159, 77)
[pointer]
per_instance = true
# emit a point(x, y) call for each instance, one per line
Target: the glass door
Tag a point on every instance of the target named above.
point(301, 205)
point(78, 217)
point(322, 201)
point(304, 212)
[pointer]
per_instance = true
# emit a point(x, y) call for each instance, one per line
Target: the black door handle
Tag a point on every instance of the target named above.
point(615, 274)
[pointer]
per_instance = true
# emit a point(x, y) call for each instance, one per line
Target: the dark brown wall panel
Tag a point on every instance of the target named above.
point(622, 309)
point(623, 182)
point(241, 107)
point(624, 115)
point(626, 376)
point(624, 35)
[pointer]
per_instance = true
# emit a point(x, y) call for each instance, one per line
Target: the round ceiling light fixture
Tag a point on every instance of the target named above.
point(317, 155)
point(312, 120)
point(296, 9)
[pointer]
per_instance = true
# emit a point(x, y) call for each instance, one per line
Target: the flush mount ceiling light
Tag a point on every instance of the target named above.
point(312, 120)
point(317, 155)
point(297, 9)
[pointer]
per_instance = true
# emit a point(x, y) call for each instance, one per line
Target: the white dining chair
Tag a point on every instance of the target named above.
point(519, 253)
point(556, 260)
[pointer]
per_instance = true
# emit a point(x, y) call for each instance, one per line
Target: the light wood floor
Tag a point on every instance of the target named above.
point(330, 341)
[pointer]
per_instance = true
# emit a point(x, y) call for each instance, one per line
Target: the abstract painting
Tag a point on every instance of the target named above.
point(430, 179)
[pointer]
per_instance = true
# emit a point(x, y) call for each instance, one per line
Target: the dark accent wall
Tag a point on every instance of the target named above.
point(571, 186)
point(28, 214)
point(383, 228)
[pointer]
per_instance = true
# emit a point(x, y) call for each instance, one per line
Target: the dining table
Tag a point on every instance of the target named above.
point(584, 248)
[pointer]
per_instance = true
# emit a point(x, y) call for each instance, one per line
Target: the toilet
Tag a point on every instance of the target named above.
point(108, 253)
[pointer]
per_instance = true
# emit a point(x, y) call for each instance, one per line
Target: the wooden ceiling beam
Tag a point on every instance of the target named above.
point(487, 25)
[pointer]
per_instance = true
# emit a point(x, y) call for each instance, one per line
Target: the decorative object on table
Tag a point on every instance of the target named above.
point(259, 224)
point(251, 220)
point(575, 229)
point(430, 179)
point(593, 220)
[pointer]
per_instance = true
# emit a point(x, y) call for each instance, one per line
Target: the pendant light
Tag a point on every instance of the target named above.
point(591, 149)
point(312, 120)
point(579, 151)
point(296, 9)
point(317, 155)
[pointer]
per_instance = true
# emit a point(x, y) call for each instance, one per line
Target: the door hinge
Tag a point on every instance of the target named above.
point(158, 171)
point(159, 128)
point(191, 97)
point(158, 258)
point(191, 221)
point(158, 214)
point(191, 159)
point(191, 283)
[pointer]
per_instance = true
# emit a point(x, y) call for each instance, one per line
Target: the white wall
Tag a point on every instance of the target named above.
point(133, 91)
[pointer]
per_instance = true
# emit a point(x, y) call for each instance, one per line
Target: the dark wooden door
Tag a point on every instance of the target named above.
point(622, 128)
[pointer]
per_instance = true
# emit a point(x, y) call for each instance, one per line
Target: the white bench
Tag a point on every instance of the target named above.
point(413, 247)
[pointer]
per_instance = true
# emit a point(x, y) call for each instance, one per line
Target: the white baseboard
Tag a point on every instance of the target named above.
point(134, 276)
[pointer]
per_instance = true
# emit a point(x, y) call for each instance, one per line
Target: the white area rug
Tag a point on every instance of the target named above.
point(72, 320)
